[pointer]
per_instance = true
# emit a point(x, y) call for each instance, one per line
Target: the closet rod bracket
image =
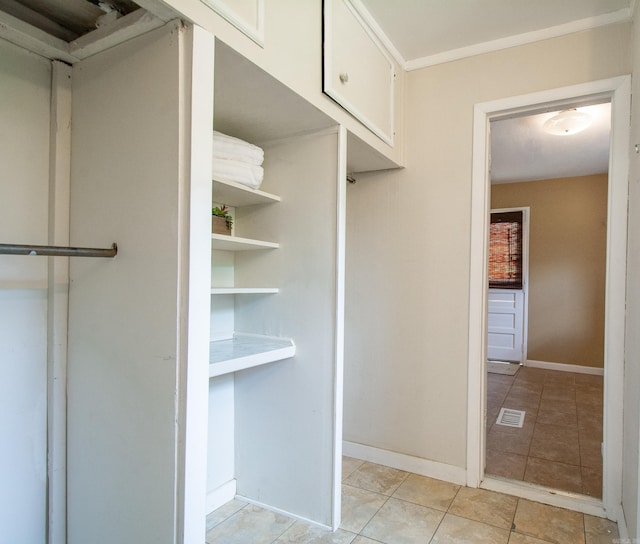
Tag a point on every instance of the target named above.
point(58, 251)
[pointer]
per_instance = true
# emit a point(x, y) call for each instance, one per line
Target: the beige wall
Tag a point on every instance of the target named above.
point(568, 239)
point(407, 305)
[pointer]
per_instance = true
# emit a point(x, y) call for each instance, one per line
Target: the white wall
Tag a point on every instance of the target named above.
point(285, 413)
point(124, 313)
point(408, 239)
point(221, 436)
point(631, 456)
point(25, 88)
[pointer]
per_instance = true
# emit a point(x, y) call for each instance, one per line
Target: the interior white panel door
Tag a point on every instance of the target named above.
point(505, 325)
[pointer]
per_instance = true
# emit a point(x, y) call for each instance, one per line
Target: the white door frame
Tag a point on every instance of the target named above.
point(618, 90)
point(526, 211)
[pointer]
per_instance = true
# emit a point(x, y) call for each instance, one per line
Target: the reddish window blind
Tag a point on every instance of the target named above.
point(505, 250)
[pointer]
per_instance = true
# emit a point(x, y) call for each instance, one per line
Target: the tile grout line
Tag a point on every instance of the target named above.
point(535, 424)
point(371, 518)
point(445, 515)
point(512, 530)
point(293, 522)
point(382, 505)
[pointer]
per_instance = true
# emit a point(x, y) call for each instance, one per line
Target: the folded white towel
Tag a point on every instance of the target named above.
point(230, 148)
point(240, 172)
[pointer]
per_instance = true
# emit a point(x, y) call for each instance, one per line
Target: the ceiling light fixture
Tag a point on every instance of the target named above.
point(567, 122)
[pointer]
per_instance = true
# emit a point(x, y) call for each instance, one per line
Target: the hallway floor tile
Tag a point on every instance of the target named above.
point(382, 505)
point(560, 443)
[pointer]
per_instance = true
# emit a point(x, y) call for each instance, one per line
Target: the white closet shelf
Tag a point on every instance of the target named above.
point(246, 351)
point(236, 194)
point(244, 290)
point(236, 243)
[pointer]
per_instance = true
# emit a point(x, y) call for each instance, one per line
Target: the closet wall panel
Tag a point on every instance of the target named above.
point(285, 411)
point(25, 88)
point(123, 340)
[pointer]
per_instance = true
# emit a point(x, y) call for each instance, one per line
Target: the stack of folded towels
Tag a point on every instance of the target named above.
point(237, 160)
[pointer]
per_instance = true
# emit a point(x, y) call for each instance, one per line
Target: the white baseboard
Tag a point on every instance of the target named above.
point(408, 463)
point(562, 367)
point(227, 492)
point(220, 496)
point(284, 513)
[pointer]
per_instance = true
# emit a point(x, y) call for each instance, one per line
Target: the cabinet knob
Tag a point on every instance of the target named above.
point(344, 77)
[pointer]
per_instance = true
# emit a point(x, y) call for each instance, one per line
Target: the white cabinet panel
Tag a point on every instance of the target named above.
point(246, 15)
point(505, 321)
point(358, 72)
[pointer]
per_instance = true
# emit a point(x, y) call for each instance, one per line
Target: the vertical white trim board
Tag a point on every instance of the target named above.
point(58, 301)
point(194, 282)
point(408, 463)
point(478, 299)
point(623, 530)
point(338, 395)
point(618, 90)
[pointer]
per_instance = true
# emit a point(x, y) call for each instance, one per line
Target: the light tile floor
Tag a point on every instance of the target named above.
point(559, 444)
point(389, 506)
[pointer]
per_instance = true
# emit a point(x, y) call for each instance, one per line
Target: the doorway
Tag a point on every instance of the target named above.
point(507, 299)
point(617, 90)
point(563, 179)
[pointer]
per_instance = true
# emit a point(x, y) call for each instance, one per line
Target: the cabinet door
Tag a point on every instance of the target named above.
point(358, 72)
point(246, 15)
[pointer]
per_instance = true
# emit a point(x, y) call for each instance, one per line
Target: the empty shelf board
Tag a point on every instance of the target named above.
point(246, 351)
point(236, 243)
point(236, 194)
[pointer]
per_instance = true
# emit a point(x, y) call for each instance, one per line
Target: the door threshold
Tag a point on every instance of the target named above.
point(546, 495)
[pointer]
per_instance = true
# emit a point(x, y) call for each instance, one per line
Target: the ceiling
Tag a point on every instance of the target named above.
point(422, 33)
point(65, 19)
point(522, 151)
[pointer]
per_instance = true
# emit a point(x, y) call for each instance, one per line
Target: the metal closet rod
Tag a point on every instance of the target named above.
point(58, 251)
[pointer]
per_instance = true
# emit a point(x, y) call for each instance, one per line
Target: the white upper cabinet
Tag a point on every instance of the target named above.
point(308, 45)
point(359, 73)
point(246, 15)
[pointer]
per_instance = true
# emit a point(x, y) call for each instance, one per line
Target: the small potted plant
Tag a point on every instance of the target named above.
point(221, 220)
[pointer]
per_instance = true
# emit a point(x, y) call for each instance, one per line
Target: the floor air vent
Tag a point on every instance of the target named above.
point(510, 418)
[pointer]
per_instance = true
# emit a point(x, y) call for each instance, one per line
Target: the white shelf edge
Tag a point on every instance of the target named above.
point(244, 290)
point(236, 194)
point(286, 350)
point(237, 243)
